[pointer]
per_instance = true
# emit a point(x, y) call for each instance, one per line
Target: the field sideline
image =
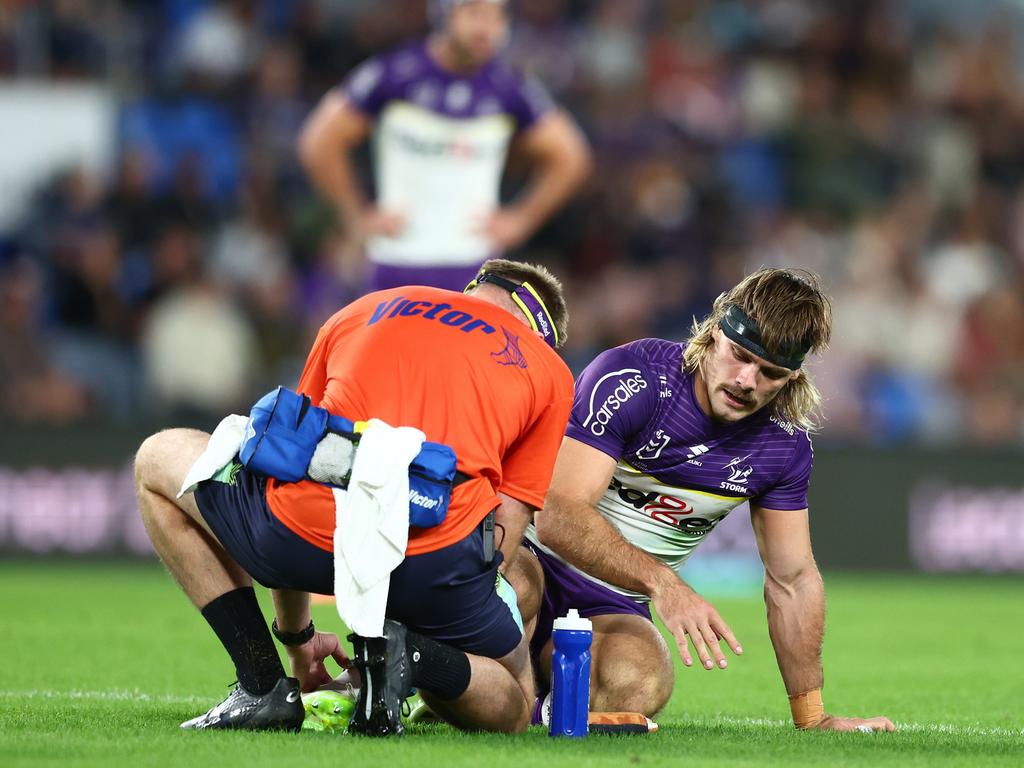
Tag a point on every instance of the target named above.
point(102, 661)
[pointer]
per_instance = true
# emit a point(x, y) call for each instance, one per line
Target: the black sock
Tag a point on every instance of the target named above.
point(438, 668)
point(236, 619)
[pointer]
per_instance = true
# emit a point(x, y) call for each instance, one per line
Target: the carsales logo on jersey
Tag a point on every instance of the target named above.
point(617, 388)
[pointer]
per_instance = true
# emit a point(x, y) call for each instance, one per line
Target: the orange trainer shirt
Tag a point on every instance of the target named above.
point(466, 372)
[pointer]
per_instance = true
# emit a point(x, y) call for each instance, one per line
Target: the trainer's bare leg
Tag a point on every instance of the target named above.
point(630, 668)
point(500, 694)
point(215, 583)
point(179, 534)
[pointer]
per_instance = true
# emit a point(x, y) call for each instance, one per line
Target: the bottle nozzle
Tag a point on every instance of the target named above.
point(573, 621)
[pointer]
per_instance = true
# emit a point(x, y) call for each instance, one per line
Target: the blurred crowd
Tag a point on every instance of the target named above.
point(877, 143)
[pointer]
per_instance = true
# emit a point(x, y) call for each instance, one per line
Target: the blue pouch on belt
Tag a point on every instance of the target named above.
point(432, 475)
point(283, 432)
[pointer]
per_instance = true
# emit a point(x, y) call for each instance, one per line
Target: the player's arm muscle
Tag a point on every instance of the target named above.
point(571, 525)
point(794, 595)
point(513, 516)
point(327, 138)
point(562, 162)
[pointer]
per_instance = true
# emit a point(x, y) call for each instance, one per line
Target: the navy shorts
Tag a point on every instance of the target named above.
point(564, 588)
point(450, 595)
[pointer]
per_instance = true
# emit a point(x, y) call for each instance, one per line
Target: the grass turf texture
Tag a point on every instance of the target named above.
point(101, 663)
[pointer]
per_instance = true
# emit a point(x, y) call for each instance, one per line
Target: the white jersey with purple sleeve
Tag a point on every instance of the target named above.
point(440, 145)
point(678, 473)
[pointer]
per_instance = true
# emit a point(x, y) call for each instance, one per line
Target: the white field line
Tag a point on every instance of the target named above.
point(946, 728)
point(105, 696)
point(743, 722)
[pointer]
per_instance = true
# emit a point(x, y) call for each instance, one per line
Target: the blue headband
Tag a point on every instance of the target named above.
point(741, 329)
point(528, 300)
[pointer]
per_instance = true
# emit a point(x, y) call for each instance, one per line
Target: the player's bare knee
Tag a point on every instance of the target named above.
point(634, 672)
point(633, 687)
point(660, 678)
point(660, 692)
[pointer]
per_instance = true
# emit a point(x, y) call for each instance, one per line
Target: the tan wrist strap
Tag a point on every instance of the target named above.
point(807, 708)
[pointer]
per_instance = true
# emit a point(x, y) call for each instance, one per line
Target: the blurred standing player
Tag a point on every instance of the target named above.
point(663, 441)
point(445, 111)
point(477, 372)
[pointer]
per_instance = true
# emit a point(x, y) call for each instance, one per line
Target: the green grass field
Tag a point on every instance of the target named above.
point(101, 663)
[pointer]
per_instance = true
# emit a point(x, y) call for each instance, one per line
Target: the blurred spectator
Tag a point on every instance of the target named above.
point(32, 388)
point(876, 143)
point(218, 45)
point(73, 44)
point(8, 42)
point(199, 354)
point(276, 109)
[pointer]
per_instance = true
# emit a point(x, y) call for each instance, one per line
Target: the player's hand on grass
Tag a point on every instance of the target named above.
point(830, 723)
point(688, 615)
point(308, 660)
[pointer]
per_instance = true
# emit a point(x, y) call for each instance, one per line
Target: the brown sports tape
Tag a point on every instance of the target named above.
point(620, 723)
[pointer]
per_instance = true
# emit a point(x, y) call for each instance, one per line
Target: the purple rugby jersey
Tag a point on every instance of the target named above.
point(678, 473)
point(440, 145)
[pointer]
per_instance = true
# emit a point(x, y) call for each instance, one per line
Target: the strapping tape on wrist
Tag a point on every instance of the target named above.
point(807, 708)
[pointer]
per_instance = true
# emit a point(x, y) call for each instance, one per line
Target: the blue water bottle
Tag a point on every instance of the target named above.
point(570, 675)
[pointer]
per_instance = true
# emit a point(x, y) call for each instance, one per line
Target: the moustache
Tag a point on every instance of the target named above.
point(742, 398)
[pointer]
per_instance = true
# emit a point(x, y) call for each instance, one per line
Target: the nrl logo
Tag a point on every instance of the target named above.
point(654, 446)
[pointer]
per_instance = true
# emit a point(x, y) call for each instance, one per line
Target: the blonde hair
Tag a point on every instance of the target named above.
point(792, 311)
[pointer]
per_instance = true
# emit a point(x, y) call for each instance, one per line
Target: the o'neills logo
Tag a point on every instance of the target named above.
point(422, 501)
point(604, 402)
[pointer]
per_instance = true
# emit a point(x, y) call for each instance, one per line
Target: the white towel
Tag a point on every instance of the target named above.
point(222, 449)
point(372, 524)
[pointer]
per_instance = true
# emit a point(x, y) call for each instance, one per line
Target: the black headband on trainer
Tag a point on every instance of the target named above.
point(528, 300)
point(740, 328)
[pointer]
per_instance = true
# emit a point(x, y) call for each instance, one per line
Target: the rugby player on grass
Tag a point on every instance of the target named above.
point(477, 372)
point(663, 441)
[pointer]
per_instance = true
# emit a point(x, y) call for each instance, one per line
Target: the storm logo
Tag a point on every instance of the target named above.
point(629, 382)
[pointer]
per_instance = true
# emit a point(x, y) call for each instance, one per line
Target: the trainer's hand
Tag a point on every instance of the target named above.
point(308, 660)
point(687, 614)
point(830, 723)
